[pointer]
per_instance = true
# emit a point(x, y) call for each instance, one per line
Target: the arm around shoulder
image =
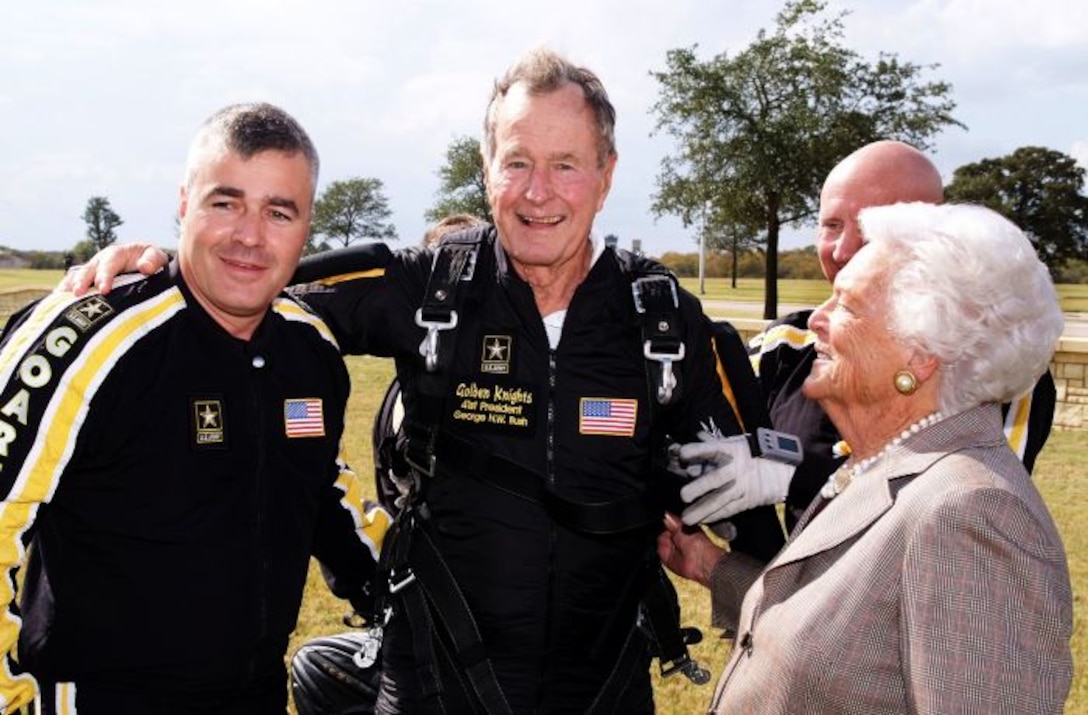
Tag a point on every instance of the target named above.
point(341, 262)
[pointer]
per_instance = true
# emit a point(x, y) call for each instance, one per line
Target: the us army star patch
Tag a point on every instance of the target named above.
point(87, 312)
point(209, 426)
point(495, 357)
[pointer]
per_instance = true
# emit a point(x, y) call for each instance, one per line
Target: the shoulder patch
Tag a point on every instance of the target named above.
point(88, 312)
point(294, 311)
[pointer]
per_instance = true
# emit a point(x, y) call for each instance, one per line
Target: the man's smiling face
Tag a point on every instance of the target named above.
point(244, 223)
point(546, 181)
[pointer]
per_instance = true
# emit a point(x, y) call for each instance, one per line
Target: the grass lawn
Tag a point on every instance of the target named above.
point(1061, 473)
point(26, 277)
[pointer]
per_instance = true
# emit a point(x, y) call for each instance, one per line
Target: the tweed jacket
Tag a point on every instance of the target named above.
point(935, 583)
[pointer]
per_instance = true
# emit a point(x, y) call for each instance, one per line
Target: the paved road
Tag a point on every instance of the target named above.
point(1076, 324)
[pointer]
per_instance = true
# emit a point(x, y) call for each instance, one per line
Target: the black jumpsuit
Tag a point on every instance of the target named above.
point(554, 606)
point(172, 482)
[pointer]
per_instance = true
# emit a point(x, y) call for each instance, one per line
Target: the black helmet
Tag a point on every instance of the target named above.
point(386, 438)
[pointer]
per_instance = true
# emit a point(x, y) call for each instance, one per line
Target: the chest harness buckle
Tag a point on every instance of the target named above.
point(658, 306)
point(454, 262)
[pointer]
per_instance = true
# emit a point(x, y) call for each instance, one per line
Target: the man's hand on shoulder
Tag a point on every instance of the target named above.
point(111, 261)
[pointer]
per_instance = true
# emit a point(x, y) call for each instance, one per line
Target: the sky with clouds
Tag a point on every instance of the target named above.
point(102, 97)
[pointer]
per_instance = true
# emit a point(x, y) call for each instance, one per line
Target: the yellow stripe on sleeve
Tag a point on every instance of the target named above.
point(68, 408)
point(40, 472)
point(785, 334)
point(774, 338)
point(292, 311)
point(66, 698)
point(1016, 423)
point(31, 330)
point(727, 388)
point(371, 525)
point(372, 273)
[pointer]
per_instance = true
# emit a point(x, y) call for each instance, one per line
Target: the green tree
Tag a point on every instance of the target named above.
point(685, 265)
point(463, 189)
point(1075, 271)
point(725, 234)
point(353, 210)
point(1040, 190)
point(82, 251)
point(801, 264)
point(757, 132)
point(43, 260)
point(101, 221)
point(313, 245)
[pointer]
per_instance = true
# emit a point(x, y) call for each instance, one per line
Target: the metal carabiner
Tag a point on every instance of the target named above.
point(668, 379)
point(429, 347)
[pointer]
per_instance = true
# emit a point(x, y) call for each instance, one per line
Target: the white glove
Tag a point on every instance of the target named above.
point(730, 479)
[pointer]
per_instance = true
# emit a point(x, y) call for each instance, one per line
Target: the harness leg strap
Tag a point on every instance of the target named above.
point(434, 579)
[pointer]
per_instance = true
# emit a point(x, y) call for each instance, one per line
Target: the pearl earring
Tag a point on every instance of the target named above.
point(905, 382)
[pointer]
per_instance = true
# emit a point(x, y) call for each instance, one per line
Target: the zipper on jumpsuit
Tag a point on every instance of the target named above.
point(549, 474)
point(256, 385)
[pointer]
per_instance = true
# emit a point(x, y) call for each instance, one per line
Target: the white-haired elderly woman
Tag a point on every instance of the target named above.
point(928, 577)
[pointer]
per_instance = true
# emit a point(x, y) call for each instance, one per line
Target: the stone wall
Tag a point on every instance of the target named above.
point(1070, 368)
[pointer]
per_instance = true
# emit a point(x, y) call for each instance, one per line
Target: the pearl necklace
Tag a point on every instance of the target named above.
point(847, 473)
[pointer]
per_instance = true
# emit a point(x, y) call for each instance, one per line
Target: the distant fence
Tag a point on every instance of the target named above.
point(1069, 365)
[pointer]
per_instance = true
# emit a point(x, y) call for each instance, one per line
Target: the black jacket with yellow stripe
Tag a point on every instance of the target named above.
point(171, 482)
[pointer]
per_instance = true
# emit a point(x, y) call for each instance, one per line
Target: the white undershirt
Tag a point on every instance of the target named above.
point(553, 322)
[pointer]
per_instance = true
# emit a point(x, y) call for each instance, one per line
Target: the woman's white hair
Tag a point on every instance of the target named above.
point(966, 287)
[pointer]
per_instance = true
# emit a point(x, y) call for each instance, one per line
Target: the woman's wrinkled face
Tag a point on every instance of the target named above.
point(857, 356)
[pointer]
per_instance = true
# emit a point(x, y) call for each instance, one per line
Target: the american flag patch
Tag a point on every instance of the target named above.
point(304, 418)
point(612, 417)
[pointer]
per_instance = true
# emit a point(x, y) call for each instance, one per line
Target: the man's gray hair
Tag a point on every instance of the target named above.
point(543, 71)
point(247, 130)
point(966, 286)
